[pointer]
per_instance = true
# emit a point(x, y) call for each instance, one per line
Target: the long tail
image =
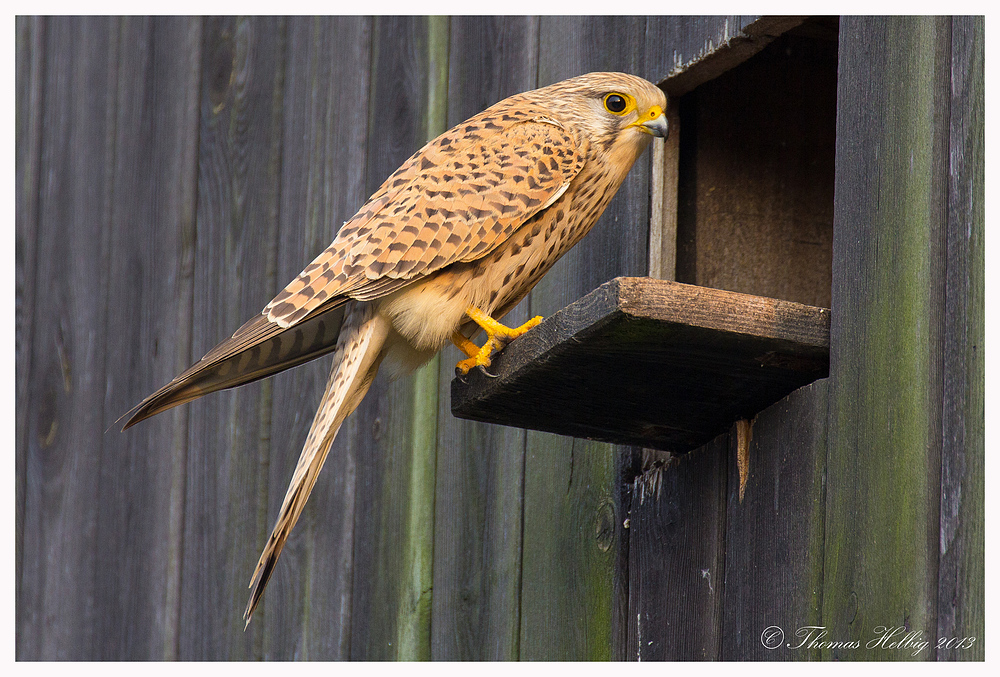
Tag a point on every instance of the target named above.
point(359, 352)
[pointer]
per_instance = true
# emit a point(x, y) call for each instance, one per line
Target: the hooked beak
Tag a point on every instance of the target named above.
point(654, 122)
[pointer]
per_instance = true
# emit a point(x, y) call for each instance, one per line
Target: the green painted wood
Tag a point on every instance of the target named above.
point(574, 589)
point(961, 575)
point(477, 517)
point(885, 431)
point(307, 607)
point(395, 429)
point(239, 160)
point(774, 536)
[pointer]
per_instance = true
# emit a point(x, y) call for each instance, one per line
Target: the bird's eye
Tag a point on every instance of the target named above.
point(615, 103)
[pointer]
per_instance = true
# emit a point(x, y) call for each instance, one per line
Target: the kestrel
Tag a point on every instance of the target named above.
point(454, 238)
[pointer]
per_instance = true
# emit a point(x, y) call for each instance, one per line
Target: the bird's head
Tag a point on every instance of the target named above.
point(619, 113)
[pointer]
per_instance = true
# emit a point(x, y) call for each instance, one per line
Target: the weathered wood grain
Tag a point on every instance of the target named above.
point(890, 224)
point(574, 590)
point(651, 362)
point(480, 467)
point(690, 50)
point(397, 423)
point(226, 520)
point(173, 173)
point(677, 556)
point(115, 161)
point(148, 333)
point(28, 82)
point(65, 415)
point(774, 536)
point(325, 122)
point(961, 574)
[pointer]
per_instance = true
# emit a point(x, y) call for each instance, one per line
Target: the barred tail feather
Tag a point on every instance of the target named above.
point(357, 358)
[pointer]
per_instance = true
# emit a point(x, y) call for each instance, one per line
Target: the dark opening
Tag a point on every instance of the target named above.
point(756, 169)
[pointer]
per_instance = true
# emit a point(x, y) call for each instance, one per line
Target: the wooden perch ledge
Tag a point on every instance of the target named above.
point(651, 363)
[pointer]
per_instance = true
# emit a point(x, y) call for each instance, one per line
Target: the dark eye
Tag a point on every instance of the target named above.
point(615, 103)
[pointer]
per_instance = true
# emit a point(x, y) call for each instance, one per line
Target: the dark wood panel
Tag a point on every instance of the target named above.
point(478, 497)
point(690, 50)
point(148, 334)
point(226, 518)
point(173, 173)
point(652, 363)
point(677, 562)
point(574, 589)
point(774, 536)
point(29, 80)
point(325, 121)
point(395, 428)
point(890, 214)
point(65, 417)
point(961, 578)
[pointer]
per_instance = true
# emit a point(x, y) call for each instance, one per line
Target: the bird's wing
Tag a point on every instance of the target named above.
point(259, 348)
point(456, 199)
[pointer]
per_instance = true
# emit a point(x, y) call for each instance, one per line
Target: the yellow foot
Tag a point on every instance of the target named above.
point(497, 337)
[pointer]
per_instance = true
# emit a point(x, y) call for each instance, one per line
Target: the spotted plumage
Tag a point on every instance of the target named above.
point(456, 236)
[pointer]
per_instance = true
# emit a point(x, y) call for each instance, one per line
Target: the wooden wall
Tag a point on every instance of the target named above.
point(174, 173)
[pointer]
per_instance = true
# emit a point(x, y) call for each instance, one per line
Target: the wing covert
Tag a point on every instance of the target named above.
point(457, 199)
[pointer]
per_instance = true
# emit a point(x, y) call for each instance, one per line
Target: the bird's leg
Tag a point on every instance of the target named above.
point(464, 344)
point(497, 337)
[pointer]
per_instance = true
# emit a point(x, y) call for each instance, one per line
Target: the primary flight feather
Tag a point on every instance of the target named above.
point(452, 239)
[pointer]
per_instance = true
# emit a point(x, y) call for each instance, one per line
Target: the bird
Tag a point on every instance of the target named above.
point(452, 240)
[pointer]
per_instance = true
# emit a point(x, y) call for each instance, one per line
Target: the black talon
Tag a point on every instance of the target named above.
point(486, 373)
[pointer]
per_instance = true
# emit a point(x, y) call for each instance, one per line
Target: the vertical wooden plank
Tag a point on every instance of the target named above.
point(884, 461)
point(477, 518)
point(774, 537)
point(574, 587)
point(961, 604)
point(151, 231)
point(393, 432)
point(226, 518)
point(29, 81)
point(306, 610)
point(677, 557)
point(64, 402)
point(664, 178)
point(147, 147)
